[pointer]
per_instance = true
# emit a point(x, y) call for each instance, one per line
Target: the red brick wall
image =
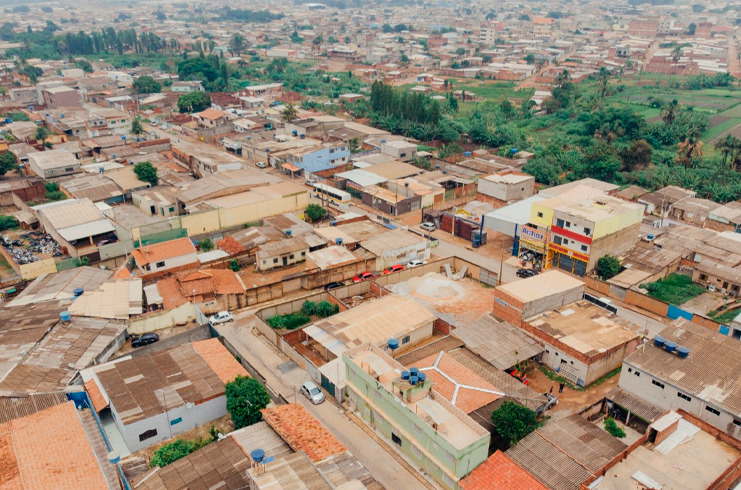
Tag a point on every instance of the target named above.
point(646, 302)
point(596, 285)
point(660, 436)
point(442, 326)
point(706, 322)
point(332, 299)
point(511, 311)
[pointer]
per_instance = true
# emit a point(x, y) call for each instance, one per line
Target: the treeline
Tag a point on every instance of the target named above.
point(251, 16)
point(406, 106)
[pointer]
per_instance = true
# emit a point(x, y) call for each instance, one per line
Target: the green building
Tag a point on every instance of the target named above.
point(418, 421)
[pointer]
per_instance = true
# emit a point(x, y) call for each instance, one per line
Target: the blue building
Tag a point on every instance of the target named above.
point(319, 157)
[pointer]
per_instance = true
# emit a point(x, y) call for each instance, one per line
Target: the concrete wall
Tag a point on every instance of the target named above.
point(507, 192)
point(35, 269)
point(172, 263)
point(161, 319)
point(613, 244)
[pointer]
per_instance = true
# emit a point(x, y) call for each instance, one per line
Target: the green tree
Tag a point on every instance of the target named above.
point(194, 102)
point(608, 267)
point(529, 58)
point(513, 422)
point(7, 222)
point(234, 265)
point(206, 245)
point(84, 65)
point(245, 397)
point(290, 112)
point(146, 85)
point(325, 309)
point(236, 44)
point(308, 308)
point(136, 126)
point(315, 212)
point(41, 134)
point(146, 172)
point(180, 448)
point(638, 156)
point(613, 428)
point(8, 162)
point(53, 193)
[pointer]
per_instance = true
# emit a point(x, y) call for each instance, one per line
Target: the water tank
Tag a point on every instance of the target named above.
point(650, 237)
point(414, 371)
point(659, 341)
point(61, 116)
point(8, 120)
point(257, 455)
point(413, 380)
point(724, 329)
point(303, 136)
point(383, 141)
point(114, 457)
point(288, 232)
point(422, 377)
point(683, 351)
point(393, 344)
point(294, 132)
point(445, 172)
point(513, 150)
point(65, 316)
point(78, 291)
point(476, 243)
point(333, 223)
point(338, 241)
point(467, 154)
point(670, 346)
point(405, 375)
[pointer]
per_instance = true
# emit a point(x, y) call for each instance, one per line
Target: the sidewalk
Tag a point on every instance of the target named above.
point(285, 377)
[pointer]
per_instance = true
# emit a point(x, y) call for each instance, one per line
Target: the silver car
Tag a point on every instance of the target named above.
point(427, 226)
point(312, 392)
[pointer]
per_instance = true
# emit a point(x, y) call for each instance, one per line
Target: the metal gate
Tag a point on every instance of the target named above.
point(327, 385)
point(569, 373)
point(487, 277)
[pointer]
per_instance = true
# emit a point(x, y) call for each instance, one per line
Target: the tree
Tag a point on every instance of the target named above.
point(245, 397)
point(290, 112)
point(234, 265)
point(146, 85)
point(613, 428)
point(325, 309)
point(315, 212)
point(7, 222)
point(180, 448)
point(41, 134)
point(194, 102)
point(354, 144)
point(136, 126)
point(513, 422)
point(638, 156)
point(160, 16)
point(206, 245)
point(8, 162)
point(53, 193)
point(236, 44)
point(697, 8)
point(529, 58)
point(146, 172)
point(691, 29)
point(608, 267)
point(669, 111)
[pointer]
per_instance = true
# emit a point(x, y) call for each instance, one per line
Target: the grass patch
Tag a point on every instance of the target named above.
point(725, 315)
point(607, 376)
point(291, 321)
point(719, 129)
point(675, 289)
point(554, 376)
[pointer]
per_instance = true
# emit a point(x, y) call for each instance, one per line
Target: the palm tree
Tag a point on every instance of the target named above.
point(669, 111)
point(676, 54)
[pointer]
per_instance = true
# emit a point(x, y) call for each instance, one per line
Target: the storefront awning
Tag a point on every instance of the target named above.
point(290, 167)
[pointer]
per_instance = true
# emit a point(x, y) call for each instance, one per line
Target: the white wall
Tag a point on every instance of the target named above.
point(173, 262)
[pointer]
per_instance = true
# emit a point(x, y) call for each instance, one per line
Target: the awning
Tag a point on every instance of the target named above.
point(290, 167)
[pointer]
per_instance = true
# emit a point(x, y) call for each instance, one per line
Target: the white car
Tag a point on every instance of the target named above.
point(220, 317)
point(415, 263)
point(312, 392)
point(261, 165)
point(427, 226)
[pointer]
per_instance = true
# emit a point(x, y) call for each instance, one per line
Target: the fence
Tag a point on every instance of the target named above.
point(117, 249)
point(158, 320)
point(163, 236)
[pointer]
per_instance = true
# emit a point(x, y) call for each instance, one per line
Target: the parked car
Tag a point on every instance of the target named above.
point(364, 276)
point(526, 272)
point(333, 285)
point(220, 317)
point(146, 339)
point(310, 182)
point(261, 165)
point(428, 226)
point(415, 263)
point(394, 268)
point(312, 392)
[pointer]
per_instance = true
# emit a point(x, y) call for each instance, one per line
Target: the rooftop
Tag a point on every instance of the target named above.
point(592, 208)
point(333, 256)
point(585, 327)
point(433, 408)
point(302, 431)
point(549, 283)
point(75, 219)
point(597, 185)
point(60, 286)
point(53, 159)
point(281, 247)
point(162, 251)
point(376, 321)
point(392, 241)
point(710, 372)
point(500, 473)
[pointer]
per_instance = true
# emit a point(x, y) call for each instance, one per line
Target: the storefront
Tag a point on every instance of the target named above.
point(532, 240)
point(567, 260)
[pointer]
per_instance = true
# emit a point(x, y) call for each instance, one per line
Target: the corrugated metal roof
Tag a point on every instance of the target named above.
point(637, 406)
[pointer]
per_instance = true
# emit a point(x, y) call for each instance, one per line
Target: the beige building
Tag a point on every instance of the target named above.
point(281, 254)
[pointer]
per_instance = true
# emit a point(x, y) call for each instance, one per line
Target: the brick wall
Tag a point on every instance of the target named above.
point(660, 436)
point(646, 302)
point(335, 301)
point(596, 285)
point(507, 308)
point(441, 326)
point(617, 459)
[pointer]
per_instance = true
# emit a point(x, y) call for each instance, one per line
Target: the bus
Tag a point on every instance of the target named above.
point(329, 193)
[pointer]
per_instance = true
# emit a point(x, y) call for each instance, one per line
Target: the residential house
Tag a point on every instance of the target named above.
point(78, 225)
point(282, 253)
point(166, 256)
point(507, 186)
point(63, 96)
point(188, 86)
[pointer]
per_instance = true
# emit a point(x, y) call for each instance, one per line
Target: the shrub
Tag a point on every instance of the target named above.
point(234, 265)
point(206, 245)
point(513, 421)
point(608, 267)
point(8, 222)
point(276, 321)
point(674, 288)
point(245, 397)
point(294, 320)
point(169, 453)
point(309, 308)
point(325, 309)
point(613, 428)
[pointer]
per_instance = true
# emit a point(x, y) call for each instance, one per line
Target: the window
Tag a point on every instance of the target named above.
point(587, 231)
point(584, 248)
point(406, 340)
point(703, 277)
point(630, 370)
point(712, 410)
point(402, 155)
point(557, 240)
point(303, 253)
point(161, 264)
point(540, 215)
point(172, 209)
point(737, 422)
point(291, 257)
point(656, 383)
point(147, 434)
point(568, 224)
point(559, 223)
point(683, 396)
point(275, 260)
point(123, 120)
point(396, 439)
point(331, 150)
point(69, 169)
point(176, 421)
point(637, 373)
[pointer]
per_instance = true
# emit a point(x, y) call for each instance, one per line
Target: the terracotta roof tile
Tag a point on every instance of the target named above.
point(48, 449)
point(162, 251)
point(219, 359)
point(302, 431)
point(461, 386)
point(198, 286)
point(231, 246)
point(500, 473)
point(93, 391)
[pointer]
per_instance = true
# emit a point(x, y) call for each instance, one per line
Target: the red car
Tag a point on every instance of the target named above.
point(394, 268)
point(364, 276)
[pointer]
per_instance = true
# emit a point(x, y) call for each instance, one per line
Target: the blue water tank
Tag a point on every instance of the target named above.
point(659, 341)
point(414, 371)
point(393, 344)
point(78, 291)
point(724, 329)
point(383, 141)
point(467, 154)
point(650, 237)
point(338, 241)
point(333, 223)
point(422, 377)
point(257, 455)
point(405, 375)
point(295, 133)
point(288, 232)
point(683, 352)
point(413, 380)
point(670, 346)
point(476, 243)
point(8, 120)
point(65, 316)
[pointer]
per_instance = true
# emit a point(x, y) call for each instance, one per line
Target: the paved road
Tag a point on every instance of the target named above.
point(285, 378)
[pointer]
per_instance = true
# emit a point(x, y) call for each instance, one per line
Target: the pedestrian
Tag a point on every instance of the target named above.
point(560, 387)
point(550, 392)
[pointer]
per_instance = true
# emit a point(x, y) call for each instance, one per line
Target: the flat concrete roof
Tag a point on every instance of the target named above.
point(541, 286)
